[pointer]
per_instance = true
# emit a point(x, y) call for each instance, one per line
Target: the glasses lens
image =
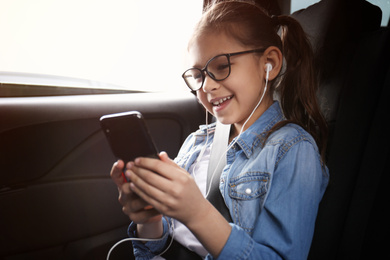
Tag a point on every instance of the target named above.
point(193, 78)
point(219, 67)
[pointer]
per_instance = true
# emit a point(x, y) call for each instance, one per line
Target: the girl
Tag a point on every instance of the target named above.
point(275, 175)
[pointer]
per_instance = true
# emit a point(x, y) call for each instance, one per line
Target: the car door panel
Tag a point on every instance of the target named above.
point(56, 196)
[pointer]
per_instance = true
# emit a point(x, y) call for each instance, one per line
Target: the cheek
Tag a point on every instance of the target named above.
point(203, 100)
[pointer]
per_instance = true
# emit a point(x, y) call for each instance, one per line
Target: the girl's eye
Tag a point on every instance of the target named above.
point(219, 67)
point(197, 76)
point(223, 66)
point(221, 71)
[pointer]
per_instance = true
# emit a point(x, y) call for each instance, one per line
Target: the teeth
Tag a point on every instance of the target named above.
point(217, 103)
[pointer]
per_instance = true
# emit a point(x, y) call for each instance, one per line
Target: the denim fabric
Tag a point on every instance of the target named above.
point(272, 189)
point(149, 249)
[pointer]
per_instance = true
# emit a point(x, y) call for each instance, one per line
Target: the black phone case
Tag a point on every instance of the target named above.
point(128, 136)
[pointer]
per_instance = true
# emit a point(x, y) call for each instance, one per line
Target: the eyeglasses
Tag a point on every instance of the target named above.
point(218, 68)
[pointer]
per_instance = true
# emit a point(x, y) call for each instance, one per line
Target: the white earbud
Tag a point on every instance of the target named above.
point(268, 68)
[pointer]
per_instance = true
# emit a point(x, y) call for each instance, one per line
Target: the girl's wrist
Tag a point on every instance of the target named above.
point(200, 216)
point(150, 230)
point(210, 220)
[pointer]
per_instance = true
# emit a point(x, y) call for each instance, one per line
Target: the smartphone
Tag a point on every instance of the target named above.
point(128, 136)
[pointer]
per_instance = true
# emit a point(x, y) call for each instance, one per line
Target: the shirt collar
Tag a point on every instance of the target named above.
point(203, 129)
point(255, 134)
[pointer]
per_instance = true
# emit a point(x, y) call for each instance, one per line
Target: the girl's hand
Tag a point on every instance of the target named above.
point(173, 192)
point(136, 208)
point(168, 188)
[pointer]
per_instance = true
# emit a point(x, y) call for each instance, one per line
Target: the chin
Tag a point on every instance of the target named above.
point(225, 121)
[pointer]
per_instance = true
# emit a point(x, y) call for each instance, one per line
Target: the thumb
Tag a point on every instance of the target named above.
point(116, 173)
point(165, 158)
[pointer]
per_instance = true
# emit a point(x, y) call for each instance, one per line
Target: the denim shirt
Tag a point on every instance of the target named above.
point(272, 190)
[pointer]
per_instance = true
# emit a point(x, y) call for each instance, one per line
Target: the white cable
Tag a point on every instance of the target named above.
point(211, 180)
point(146, 240)
point(172, 223)
point(242, 129)
point(203, 148)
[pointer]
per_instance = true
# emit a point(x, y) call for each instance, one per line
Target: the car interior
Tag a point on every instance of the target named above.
point(57, 200)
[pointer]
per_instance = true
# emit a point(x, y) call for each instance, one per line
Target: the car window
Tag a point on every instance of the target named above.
point(135, 45)
point(300, 4)
point(384, 5)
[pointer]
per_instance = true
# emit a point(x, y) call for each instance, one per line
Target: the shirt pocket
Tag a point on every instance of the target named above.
point(248, 191)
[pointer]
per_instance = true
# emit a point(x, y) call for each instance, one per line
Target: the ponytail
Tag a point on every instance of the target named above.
point(298, 85)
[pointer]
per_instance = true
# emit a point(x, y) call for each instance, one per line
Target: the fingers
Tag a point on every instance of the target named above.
point(117, 168)
point(129, 200)
point(147, 184)
point(150, 194)
point(154, 177)
point(145, 216)
point(116, 173)
point(165, 186)
point(164, 157)
point(163, 189)
point(135, 207)
point(164, 167)
point(162, 184)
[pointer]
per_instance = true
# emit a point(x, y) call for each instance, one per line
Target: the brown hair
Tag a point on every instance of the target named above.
point(296, 84)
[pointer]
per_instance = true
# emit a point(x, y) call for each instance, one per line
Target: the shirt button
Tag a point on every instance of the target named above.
point(248, 191)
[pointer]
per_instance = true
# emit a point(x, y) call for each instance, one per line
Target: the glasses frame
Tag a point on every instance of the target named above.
point(205, 71)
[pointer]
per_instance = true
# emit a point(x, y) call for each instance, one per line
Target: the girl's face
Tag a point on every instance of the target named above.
point(231, 100)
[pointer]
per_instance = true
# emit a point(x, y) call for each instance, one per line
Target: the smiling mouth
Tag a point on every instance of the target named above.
point(221, 101)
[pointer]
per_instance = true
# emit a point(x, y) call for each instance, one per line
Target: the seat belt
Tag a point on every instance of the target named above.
point(216, 164)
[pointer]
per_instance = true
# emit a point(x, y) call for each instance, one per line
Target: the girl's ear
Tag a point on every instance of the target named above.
point(274, 57)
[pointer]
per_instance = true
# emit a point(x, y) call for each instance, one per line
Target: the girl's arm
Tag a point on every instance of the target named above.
point(210, 228)
point(173, 192)
point(285, 226)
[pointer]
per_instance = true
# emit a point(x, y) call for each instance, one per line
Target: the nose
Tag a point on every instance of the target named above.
point(209, 84)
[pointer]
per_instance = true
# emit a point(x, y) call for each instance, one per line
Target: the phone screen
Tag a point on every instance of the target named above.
point(128, 136)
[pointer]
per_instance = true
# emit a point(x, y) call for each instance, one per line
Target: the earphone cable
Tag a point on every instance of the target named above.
point(170, 226)
point(242, 129)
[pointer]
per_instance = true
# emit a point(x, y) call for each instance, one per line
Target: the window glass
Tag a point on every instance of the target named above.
point(132, 44)
point(384, 5)
point(300, 4)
